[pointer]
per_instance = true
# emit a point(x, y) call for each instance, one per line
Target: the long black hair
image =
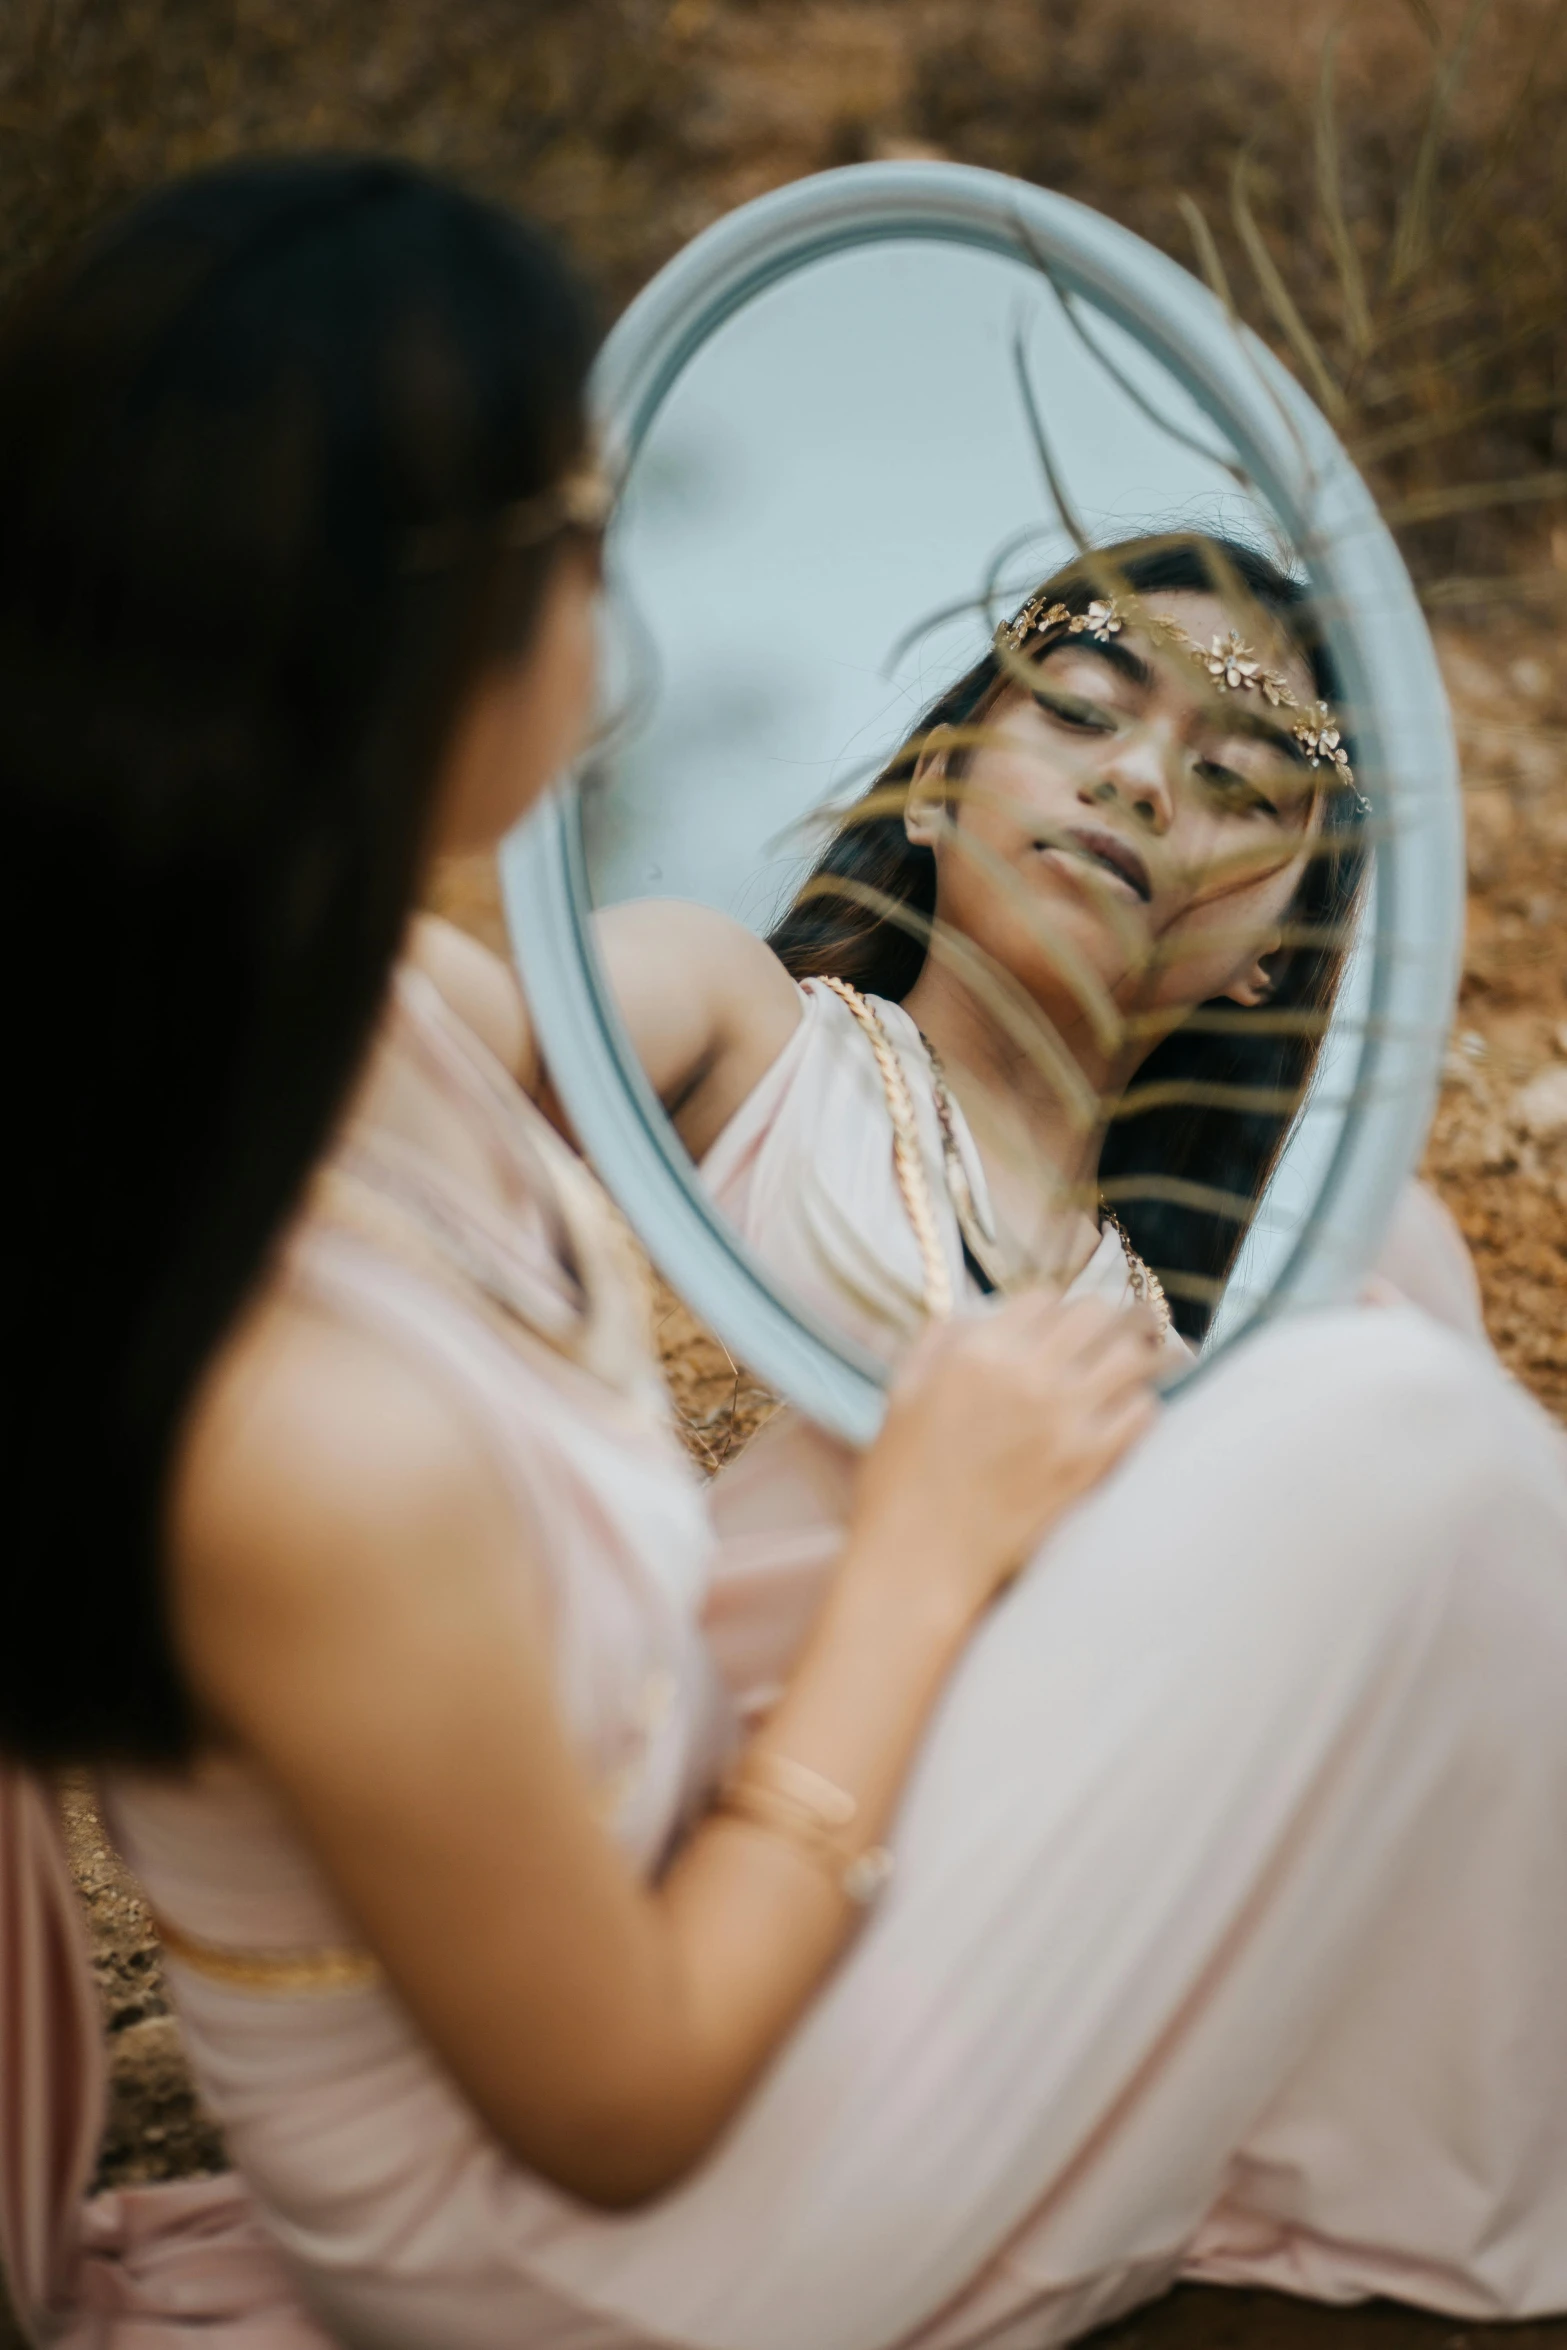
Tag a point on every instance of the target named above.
point(1169, 1132)
point(227, 680)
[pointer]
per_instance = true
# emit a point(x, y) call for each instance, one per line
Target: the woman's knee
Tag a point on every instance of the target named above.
point(1387, 1435)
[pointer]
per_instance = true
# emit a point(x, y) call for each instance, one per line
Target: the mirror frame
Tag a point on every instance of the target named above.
point(1406, 756)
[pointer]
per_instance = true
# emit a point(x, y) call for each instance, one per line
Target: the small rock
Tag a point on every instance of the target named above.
point(1540, 1108)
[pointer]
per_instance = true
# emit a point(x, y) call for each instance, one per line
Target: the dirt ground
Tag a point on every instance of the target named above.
point(628, 125)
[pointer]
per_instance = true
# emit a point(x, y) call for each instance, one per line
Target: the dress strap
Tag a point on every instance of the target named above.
point(907, 1158)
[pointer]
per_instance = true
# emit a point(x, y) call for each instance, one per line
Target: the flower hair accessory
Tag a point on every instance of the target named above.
point(1229, 663)
point(1102, 620)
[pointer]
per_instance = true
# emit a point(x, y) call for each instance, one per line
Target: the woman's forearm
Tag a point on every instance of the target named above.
point(753, 1916)
point(1026, 1408)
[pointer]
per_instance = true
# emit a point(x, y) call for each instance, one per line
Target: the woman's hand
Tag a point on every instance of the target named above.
point(999, 1422)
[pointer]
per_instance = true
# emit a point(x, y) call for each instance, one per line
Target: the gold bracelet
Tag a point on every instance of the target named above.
point(788, 1799)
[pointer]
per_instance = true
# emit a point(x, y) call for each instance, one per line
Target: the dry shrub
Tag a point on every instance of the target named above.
point(1386, 199)
point(1412, 202)
point(567, 106)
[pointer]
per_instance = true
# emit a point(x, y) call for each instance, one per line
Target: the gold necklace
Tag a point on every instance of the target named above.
point(908, 1162)
point(1147, 1287)
point(914, 1186)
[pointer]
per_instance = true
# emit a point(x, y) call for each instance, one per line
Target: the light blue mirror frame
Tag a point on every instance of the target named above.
point(1405, 753)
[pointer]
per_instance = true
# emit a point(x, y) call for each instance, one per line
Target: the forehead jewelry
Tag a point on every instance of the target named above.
point(1102, 620)
point(1230, 664)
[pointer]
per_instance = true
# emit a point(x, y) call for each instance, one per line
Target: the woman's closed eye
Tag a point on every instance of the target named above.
point(1076, 711)
point(1272, 789)
point(1237, 792)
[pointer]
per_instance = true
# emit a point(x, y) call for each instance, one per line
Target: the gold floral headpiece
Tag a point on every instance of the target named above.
point(1229, 663)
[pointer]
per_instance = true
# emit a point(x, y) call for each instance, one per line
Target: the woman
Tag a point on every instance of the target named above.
point(1085, 927)
point(1135, 846)
point(350, 1541)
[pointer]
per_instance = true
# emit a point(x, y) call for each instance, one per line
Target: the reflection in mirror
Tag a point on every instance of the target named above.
point(977, 871)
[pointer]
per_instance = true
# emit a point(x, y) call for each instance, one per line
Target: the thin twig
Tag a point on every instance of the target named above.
point(1351, 277)
point(1278, 297)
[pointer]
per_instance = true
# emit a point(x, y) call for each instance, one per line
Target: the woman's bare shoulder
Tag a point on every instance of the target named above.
point(712, 948)
point(708, 1003)
point(482, 990)
point(321, 1472)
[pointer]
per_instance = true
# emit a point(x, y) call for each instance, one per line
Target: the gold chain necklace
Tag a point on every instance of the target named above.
point(914, 1186)
point(907, 1160)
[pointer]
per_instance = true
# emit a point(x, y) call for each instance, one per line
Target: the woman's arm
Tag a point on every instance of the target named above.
point(708, 1005)
point(351, 1610)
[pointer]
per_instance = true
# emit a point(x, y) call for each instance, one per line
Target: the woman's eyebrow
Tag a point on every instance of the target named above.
point(1268, 730)
point(1117, 656)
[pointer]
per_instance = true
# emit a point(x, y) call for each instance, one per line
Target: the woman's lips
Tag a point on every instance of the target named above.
point(1112, 855)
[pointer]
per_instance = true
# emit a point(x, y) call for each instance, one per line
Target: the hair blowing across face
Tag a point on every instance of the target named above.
point(225, 693)
point(1228, 1144)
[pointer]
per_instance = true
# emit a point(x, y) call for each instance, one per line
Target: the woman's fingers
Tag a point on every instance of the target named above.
point(1078, 1331)
point(1024, 1408)
point(1063, 1328)
point(1126, 1419)
point(1128, 1356)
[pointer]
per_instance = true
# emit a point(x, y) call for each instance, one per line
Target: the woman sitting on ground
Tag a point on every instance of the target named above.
point(1222, 1906)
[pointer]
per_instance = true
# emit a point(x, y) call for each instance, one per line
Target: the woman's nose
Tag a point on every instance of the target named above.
point(1134, 774)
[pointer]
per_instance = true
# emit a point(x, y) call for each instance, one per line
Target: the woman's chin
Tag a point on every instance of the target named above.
point(1105, 926)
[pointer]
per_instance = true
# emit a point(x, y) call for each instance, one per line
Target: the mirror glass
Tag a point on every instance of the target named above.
point(861, 473)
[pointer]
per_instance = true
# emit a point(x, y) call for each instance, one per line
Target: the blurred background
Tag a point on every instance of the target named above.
point(1380, 189)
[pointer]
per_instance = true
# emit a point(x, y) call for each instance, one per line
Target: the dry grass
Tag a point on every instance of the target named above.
point(1413, 205)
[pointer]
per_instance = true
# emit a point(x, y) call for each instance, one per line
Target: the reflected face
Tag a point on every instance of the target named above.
point(1156, 829)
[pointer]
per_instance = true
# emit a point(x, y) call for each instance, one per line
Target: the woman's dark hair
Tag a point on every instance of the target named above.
point(1170, 1142)
point(228, 675)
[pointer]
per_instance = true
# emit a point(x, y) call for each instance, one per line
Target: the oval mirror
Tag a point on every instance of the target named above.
point(999, 631)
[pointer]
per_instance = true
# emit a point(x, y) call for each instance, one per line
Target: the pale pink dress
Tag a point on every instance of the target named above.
point(805, 1170)
point(1229, 1927)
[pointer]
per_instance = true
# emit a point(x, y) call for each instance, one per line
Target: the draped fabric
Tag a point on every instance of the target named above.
point(51, 2058)
point(147, 2268)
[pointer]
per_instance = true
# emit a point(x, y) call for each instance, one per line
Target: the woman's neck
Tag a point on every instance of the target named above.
point(1039, 1147)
